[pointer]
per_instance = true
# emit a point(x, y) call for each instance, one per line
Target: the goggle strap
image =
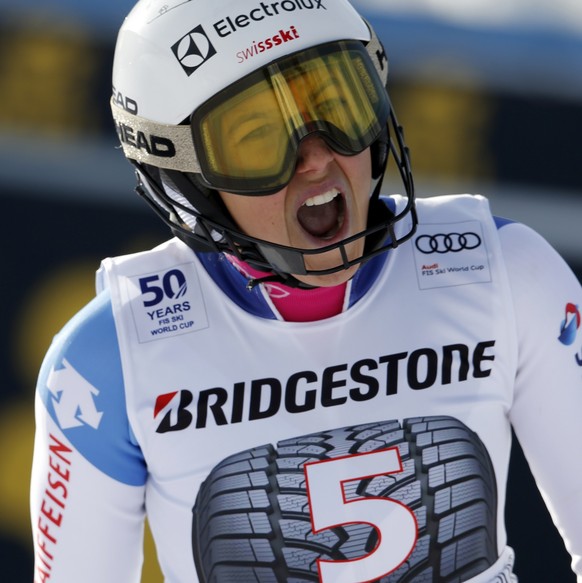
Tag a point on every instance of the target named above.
point(162, 145)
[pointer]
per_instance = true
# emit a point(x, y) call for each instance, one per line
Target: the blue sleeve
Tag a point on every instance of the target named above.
point(81, 386)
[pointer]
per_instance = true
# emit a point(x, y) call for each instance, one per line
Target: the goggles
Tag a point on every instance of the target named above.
point(246, 138)
point(248, 135)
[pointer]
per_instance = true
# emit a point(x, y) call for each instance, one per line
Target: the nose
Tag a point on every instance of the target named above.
point(313, 155)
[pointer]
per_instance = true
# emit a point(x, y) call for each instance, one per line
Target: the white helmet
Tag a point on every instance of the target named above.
point(182, 66)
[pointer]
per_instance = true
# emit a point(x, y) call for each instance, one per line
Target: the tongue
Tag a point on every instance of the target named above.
point(321, 219)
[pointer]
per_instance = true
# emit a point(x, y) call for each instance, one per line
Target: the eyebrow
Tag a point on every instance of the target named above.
point(332, 81)
point(245, 117)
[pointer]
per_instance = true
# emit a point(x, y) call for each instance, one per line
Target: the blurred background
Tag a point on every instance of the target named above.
point(489, 93)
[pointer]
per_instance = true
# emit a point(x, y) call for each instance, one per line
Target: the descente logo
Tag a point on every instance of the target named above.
point(283, 36)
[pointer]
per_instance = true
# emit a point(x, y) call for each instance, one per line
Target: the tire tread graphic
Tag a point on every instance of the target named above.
point(251, 520)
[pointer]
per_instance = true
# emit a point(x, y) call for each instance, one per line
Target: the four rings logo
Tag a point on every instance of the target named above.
point(193, 50)
point(447, 242)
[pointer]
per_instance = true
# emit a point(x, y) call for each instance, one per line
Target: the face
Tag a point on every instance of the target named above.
point(326, 201)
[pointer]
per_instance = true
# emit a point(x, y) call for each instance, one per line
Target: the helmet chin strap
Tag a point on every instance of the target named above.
point(377, 213)
point(285, 279)
point(262, 255)
point(203, 223)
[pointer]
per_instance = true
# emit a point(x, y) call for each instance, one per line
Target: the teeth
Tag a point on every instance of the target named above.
point(322, 198)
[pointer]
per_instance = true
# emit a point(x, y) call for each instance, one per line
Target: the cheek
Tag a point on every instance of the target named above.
point(257, 216)
point(365, 172)
point(359, 169)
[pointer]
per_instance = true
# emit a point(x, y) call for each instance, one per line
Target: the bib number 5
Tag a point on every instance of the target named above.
point(303, 510)
point(394, 523)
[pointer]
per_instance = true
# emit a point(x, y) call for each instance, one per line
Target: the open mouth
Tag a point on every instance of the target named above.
point(322, 216)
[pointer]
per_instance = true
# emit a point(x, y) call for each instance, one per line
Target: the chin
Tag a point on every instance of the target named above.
point(329, 261)
point(330, 280)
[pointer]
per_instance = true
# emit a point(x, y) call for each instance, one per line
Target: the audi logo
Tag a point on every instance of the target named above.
point(447, 242)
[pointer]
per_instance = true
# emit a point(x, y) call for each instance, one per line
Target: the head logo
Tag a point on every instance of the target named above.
point(193, 50)
point(570, 325)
